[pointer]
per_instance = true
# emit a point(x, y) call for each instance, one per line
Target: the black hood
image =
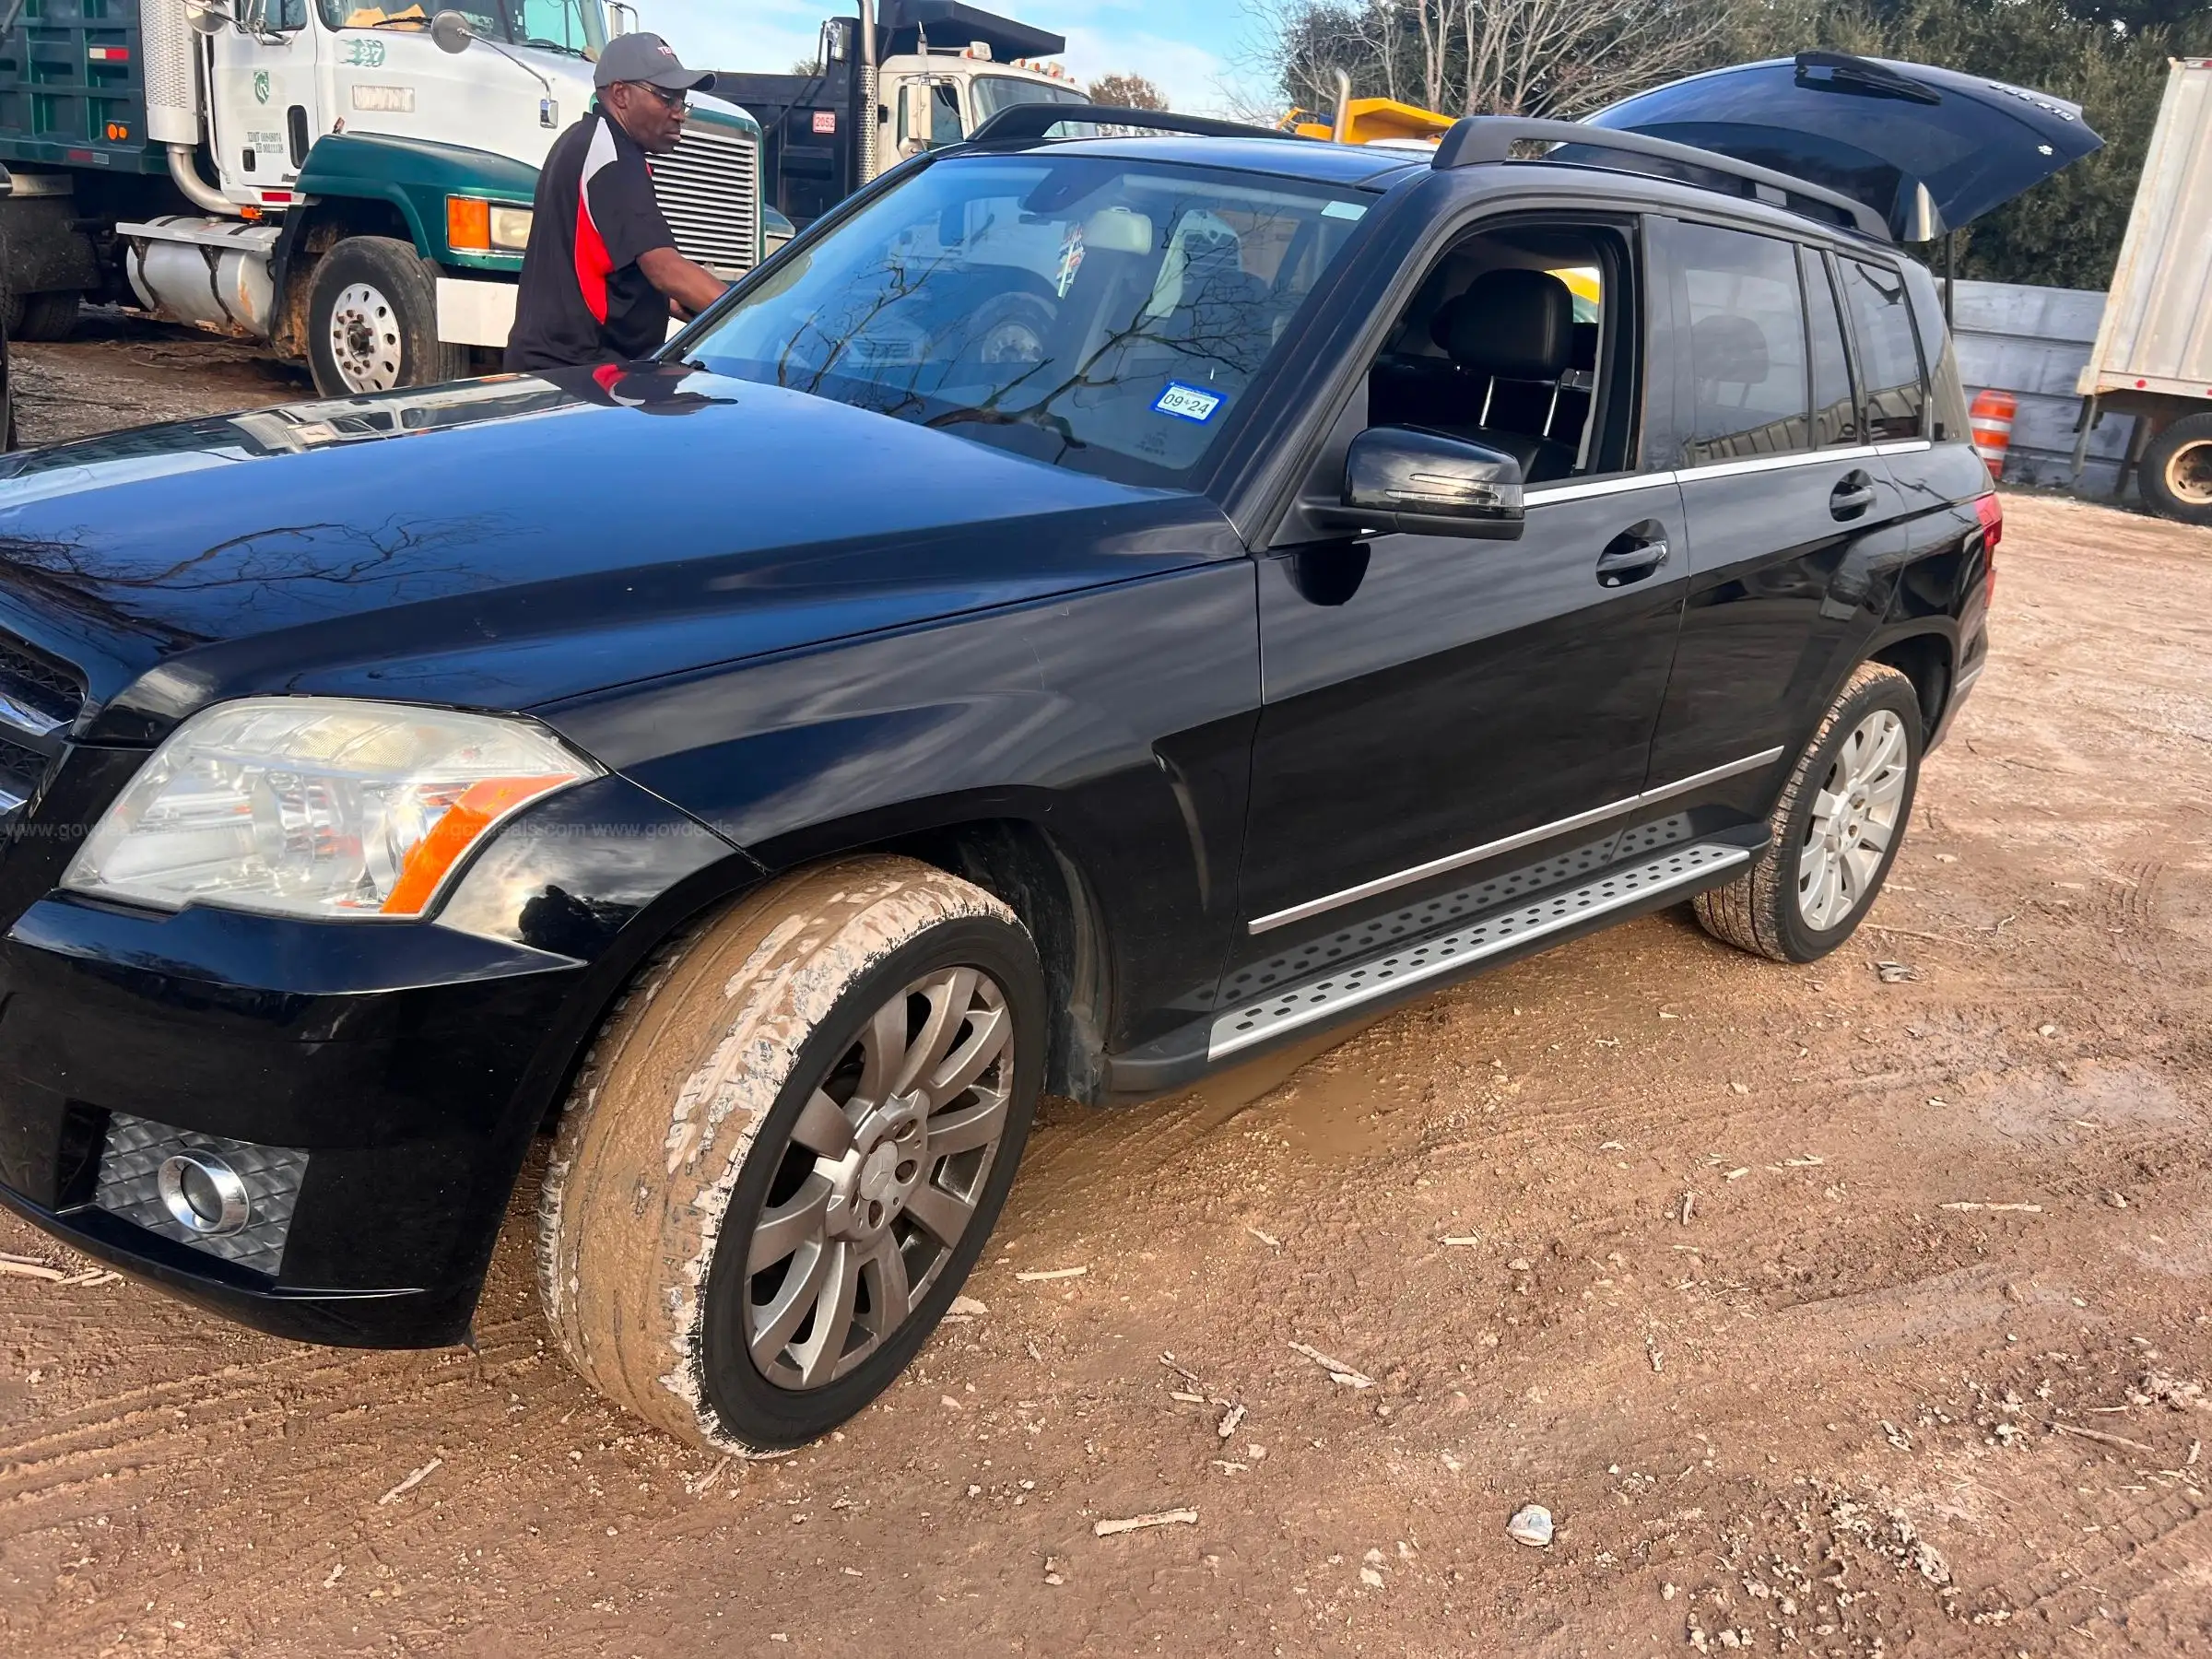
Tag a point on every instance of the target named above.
point(512, 541)
point(1929, 149)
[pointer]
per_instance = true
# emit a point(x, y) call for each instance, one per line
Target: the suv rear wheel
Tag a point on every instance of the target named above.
point(787, 1150)
point(1836, 828)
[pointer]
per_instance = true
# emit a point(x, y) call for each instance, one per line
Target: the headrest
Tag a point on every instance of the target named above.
point(1519, 325)
point(1729, 350)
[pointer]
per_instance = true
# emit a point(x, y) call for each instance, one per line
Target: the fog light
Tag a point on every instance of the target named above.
point(203, 1194)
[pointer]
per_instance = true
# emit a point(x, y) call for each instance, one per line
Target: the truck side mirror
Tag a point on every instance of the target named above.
point(206, 17)
point(452, 31)
point(920, 114)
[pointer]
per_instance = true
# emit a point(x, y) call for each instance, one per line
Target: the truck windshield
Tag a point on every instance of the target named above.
point(1095, 312)
point(572, 25)
point(997, 92)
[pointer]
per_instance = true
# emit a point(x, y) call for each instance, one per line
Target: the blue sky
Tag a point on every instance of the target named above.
point(1188, 47)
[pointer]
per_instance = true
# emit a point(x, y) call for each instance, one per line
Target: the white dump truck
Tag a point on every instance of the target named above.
point(2153, 357)
point(350, 180)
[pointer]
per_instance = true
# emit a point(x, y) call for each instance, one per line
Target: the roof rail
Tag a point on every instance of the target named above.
point(1488, 139)
point(1035, 120)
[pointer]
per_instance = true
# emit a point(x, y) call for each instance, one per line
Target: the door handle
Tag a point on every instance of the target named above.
point(1632, 558)
point(1850, 498)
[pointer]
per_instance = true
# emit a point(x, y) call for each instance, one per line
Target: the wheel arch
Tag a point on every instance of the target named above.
point(1928, 659)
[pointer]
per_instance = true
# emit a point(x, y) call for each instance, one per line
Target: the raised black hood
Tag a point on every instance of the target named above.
point(510, 542)
point(1929, 149)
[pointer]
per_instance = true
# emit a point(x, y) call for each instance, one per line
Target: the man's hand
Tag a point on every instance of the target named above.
point(691, 288)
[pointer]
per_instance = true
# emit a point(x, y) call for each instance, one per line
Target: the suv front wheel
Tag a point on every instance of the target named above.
point(787, 1148)
point(1836, 828)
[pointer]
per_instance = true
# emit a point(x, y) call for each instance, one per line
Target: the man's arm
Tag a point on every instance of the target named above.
point(691, 288)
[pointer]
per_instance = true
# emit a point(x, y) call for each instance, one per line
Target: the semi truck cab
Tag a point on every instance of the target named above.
point(350, 180)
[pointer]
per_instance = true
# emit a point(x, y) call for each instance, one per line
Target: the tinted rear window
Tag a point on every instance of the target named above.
point(1889, 351)
point(1747, 342)
point(1946, 389)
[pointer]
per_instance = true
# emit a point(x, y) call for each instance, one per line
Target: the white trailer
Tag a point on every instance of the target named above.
point(2153, 357)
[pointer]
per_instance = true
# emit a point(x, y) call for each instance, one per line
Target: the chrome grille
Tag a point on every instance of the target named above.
point(130, 1169)
point(39, 699)
point(710, 191)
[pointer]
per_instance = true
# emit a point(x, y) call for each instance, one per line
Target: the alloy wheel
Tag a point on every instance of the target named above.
point(1855, 820)
point(880, 1179)
point(365, 339)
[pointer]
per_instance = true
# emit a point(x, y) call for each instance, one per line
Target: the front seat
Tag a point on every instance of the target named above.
point(1516, 330)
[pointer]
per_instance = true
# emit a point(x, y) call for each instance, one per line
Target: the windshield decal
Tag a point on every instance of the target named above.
point(1189, 402)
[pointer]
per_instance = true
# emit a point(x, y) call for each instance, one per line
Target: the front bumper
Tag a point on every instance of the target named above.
point(378, 1084)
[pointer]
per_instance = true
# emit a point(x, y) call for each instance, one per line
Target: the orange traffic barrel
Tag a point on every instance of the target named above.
point(1992, 420)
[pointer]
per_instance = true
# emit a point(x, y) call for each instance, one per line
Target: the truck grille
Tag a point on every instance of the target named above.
point(710, 191)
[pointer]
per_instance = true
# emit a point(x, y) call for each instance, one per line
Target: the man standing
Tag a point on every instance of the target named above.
point(601, 275)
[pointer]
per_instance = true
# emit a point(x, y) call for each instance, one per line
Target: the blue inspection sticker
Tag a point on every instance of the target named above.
point(1189, 402)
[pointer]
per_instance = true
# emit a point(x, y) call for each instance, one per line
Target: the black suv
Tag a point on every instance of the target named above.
point(1092, 609)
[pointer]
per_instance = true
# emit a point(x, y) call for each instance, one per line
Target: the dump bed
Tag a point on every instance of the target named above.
point(2157, 335)
point(73, 80)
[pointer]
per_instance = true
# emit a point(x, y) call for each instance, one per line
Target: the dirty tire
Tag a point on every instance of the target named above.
point(395, 340)
point(2176, 472)
point(43, 316)
point(1759, 911)
point(711, 1059)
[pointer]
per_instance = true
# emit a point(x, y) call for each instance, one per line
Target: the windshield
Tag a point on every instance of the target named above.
point(1097, 313)
point(997, 92)
point(572, 25)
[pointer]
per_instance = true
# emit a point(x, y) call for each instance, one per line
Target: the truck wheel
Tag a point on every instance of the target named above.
point(1836, 830)
point(787, 1148)
point(372, 320)
point(2177, 471)
point(41, 316)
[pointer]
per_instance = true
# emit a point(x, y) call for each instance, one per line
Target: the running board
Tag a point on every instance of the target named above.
point(1442, 955)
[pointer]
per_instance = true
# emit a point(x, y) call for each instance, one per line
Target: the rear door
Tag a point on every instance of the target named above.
point(1794, 523)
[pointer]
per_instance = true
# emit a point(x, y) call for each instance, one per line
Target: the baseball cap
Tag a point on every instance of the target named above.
point(647, 57)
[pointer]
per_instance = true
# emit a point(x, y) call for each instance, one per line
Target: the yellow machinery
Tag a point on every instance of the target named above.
point(1370, 121)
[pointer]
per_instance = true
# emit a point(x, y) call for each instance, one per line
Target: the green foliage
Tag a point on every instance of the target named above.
point(2107, 55)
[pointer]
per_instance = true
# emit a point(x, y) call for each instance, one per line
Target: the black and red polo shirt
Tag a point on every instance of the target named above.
point(583, 299)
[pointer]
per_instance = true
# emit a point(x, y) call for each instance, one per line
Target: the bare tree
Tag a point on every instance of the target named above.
point(1128, 92)
point(1530, 57)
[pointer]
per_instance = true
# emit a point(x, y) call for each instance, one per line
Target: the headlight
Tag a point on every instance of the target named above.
point(474, 225)
point(510, 229)
point(317, 807)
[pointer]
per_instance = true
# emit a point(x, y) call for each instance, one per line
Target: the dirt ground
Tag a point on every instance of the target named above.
point(1856, 1309)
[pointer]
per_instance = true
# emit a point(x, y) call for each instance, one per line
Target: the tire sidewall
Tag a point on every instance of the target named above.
point(398, 273)
point(752, 1410)
point(1800, 941)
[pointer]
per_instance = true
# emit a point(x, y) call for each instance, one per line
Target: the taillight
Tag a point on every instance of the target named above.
point(1989, 509)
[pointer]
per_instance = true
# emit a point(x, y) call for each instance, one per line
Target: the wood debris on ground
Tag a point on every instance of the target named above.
point(1180, 1517)
point(1052, 1273)
point(1338, 1372)
point(411, 1482)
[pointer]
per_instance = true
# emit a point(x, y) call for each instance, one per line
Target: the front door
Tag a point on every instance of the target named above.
point(264, 103)
point(1440, 710)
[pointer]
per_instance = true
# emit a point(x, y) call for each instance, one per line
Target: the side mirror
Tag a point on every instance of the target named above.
point(1424, 484)
point(921, 114)
point(452, 31)
point(206, 17)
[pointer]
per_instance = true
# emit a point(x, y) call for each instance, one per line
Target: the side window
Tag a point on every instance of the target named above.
point(1523, 340)
point(1835, 408)
point(945, 126)
point(1746, 344)
point(1889, 353)
point(1946, 390)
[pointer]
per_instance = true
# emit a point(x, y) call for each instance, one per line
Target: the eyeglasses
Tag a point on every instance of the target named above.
point(678, 101)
